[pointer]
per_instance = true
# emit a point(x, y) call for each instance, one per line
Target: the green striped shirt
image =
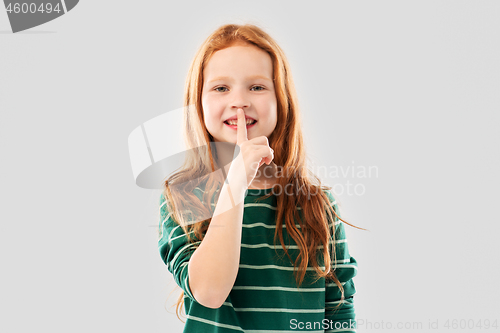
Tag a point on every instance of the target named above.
point(265, 297)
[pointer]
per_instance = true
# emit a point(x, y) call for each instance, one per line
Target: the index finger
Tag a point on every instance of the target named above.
point(241, 131)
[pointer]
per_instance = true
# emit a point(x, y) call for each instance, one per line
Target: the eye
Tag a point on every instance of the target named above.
point(219, 88)
point(259, 87)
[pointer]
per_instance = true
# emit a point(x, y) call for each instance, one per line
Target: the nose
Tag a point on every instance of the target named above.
point(240, 99)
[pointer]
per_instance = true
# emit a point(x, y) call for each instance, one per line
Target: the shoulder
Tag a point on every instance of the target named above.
point(162, 200)
point(163, 204)
point(329, 194)
point(334, 204)
point(331, 198)
point(167, 219)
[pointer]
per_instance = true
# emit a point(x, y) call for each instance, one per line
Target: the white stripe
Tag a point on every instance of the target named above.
point(336, 223)
point(162, 224)
point(272, 207)
point(180, 251)
point(183, 235)
point(260, 224)
point(213, 323)
point(173, 229)
point(279, 288)
point(170, 239)
point(160, 231)
point(341, 261)
point(336, 302)
point(285, 268)
point(256, 246)
point(260, 205)
point(274, 309)
point(345, 266)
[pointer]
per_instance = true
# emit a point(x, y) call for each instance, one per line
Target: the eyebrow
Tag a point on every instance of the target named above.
point(251, 78)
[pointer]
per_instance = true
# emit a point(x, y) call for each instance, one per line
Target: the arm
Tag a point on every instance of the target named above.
point(175, 249)
point(214, 265)
point(205, 270)
point(343, 318)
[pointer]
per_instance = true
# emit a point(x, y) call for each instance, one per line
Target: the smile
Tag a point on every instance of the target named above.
point(234, 125)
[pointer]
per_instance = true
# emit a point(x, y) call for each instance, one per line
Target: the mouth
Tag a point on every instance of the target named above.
point(234, 124)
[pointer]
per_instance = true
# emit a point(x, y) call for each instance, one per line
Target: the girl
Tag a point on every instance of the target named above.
point(218, 236)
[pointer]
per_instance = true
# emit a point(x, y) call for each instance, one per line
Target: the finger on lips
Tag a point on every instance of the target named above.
point(242, 128)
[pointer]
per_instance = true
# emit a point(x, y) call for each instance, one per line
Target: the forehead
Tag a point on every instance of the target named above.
point(239, 61)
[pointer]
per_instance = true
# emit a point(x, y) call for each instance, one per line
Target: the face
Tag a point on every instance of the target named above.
point(239, 76)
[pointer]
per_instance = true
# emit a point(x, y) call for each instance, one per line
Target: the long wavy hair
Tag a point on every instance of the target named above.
point(314, 239)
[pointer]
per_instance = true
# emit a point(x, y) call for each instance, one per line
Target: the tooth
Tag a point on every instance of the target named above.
point(234, 122)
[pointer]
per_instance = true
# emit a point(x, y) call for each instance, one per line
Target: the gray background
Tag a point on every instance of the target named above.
point(411, 87)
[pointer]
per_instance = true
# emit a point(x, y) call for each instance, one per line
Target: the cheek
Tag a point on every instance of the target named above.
point(212, 117)
point(273, 115)
point(210, 121)
point(208, 110)
point(211, 106)
point(273, 123)
point(272, 107)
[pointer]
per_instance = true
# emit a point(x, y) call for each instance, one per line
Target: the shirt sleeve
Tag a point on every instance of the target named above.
point(175, 248)
point(345, 267)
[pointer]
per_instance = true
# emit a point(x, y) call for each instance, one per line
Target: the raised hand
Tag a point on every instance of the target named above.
point(254, 152)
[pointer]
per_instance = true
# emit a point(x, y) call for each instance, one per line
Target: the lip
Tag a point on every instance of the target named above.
point(235, 127)
point(236, 118)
